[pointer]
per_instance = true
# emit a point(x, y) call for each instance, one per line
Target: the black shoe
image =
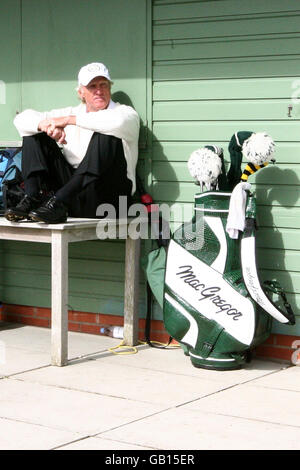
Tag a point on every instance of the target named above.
point(22, 209)
point(52, 212)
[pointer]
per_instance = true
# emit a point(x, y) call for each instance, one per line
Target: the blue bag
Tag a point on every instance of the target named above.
point(11, 181)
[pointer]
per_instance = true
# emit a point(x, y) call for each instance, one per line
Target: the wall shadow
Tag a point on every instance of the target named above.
point(155, 156)
point(286, 199)
point(163, 189)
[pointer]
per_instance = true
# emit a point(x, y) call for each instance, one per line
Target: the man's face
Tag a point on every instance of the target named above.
point(96, 94)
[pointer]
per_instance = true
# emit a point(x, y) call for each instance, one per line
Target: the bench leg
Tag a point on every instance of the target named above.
point(59, 300)
point(131, 294)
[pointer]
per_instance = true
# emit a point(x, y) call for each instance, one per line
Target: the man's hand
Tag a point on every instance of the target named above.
point(58, 134)
point(54, 127)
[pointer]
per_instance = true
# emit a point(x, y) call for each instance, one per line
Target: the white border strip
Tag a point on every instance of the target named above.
point(252, 282)
point(211, 358)
point(215, 193)
point(210, 210)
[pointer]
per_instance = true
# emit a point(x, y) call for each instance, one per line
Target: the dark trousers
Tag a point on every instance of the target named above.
point(100, 178)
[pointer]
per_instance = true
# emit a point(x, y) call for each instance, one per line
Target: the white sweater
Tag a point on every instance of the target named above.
point(118, 120)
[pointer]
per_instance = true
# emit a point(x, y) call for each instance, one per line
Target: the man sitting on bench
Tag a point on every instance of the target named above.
point(98, 160)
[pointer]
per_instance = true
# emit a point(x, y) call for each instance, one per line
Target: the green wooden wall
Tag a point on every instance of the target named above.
point(96, 275)
point(221, 66)
point(43, 44)
point(218, 66)
point(10, 67)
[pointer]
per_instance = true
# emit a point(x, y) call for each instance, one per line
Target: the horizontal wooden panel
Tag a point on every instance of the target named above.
point(272, 174)
point(30, 248)
point(185, 192)
point(210, 131)
point(40, 265)
point(96, 250)
point(277, 195)
point(290, 282)
point(285, 152)
point(217, 27)
point(281, 239)
point(174, 10)
point(226, 68)
point(106, 289)
point(283, 217)
point(91, 286)
point(25, 296)
point(280, 260)
point(226, 110)
point(86, 268)
point(231, 48)
point(284, 329)
point(96, 275)
point(227, 89)
point(109, 305)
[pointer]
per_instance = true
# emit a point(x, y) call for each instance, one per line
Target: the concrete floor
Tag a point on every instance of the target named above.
point(154, 399)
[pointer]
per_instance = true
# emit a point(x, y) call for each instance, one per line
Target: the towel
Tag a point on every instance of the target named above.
point(236, 216)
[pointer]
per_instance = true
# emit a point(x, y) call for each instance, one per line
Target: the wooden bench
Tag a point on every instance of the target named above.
point(60, 235)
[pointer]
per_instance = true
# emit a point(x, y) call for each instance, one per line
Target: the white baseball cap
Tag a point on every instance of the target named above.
point(90, 71)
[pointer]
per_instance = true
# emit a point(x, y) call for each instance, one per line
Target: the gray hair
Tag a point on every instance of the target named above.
point(78, 96)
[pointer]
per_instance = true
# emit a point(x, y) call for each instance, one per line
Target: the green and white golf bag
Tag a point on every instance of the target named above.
point(214, 303)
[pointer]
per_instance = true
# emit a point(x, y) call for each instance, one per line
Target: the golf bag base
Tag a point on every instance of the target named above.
point(219, 362)
point(214, 364)
point(213, 347)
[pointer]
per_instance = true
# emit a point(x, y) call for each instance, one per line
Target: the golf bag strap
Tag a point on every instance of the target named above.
point(148, 322)
point(276, 288)
point(251, 279)
point(210, 341)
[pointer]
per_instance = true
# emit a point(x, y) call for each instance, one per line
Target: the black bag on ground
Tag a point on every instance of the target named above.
point(11, 180)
